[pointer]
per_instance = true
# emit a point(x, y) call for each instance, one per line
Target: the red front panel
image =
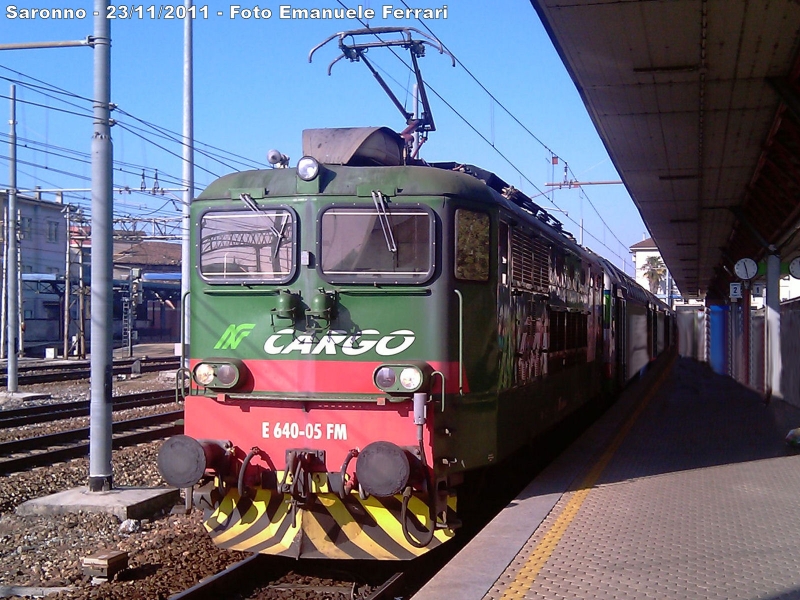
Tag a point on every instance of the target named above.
point(276, 426)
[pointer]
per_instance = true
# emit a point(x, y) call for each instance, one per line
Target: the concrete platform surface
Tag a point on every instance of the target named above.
point(124, 503)
point(476, 568)
point(687, 490)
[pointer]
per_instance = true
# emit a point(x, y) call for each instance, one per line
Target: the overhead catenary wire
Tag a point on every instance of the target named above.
point(83, 199)
point(174, 136)
point(179, 139)
point(38, 89)
point(216, 154)
point(493, 146)
point(483, 87)
point(63, 153)
point(597, 212)
point(49, 86)
point(516, 120)
point(52, 92)
point(61, 110)
point(85, 158)
point(159, 146)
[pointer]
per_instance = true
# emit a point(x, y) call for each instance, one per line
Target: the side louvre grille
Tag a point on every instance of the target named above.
point(530, 262)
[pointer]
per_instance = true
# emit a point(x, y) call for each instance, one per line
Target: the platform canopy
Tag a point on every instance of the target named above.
point(698, 104)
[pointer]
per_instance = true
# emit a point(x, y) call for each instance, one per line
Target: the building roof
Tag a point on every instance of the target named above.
point(647, 244)
point(147, 253)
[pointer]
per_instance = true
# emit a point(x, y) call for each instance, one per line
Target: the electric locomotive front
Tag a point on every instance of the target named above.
point(319, 355)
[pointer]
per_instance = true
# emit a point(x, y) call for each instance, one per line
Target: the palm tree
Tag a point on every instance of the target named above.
point(654, 271)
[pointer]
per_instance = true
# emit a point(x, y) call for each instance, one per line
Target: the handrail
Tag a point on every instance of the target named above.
point(444, 385)
point(183, 326)
point(460, 342)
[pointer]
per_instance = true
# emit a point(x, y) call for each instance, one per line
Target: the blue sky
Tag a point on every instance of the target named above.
point(255, 90)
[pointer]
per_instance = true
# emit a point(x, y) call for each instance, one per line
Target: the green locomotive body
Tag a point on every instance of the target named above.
point(365, 335)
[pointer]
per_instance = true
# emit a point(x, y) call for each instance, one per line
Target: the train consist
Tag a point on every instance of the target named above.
point(367, 333)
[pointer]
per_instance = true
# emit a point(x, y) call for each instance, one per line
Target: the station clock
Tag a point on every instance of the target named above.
point(745, 268)
point(794, 268)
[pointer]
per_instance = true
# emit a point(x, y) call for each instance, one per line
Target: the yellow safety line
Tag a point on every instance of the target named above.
point(544, 549)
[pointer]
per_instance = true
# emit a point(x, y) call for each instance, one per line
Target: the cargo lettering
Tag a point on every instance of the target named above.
point(309, 431)
point(285, 342)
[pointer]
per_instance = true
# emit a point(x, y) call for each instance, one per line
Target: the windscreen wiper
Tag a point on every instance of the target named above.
point(252, 205)
point(383, 217)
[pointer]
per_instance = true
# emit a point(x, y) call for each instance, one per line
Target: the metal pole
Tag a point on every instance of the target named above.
point(81, 348)
point(12, 275)
point(67, 290)
point(746, 335)
point(100, 472)
point(20, 311)
point(127, 316)
point(772, 329)
point(188, 169)
point(3, 313)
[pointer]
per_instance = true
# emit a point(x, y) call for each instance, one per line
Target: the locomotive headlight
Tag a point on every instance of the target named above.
point(403, 379)
point(227, 374)
point(307, 168)
point(411, 378)
point(204, 374)
point(218, 374)
point(385, 378)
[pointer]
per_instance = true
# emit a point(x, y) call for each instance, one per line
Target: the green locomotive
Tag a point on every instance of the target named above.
point(366, 333)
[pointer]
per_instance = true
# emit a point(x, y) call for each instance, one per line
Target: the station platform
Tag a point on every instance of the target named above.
point(685, 488)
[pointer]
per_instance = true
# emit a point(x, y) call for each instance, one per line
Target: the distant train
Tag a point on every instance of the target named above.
point(152, 313)
point(366, 333)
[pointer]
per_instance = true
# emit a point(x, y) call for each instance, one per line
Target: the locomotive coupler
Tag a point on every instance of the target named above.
point(300, 464)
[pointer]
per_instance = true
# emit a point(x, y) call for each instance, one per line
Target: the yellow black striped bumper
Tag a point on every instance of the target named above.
point(325, 527)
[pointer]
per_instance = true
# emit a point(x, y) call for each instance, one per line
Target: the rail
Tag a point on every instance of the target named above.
point(47, 373)
point(44, 413)
point(57, 447)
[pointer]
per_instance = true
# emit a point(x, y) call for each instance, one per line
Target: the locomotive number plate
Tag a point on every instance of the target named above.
point(309, 431)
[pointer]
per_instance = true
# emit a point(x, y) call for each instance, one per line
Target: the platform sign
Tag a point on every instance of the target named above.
point(736, 290)
point(758, 290)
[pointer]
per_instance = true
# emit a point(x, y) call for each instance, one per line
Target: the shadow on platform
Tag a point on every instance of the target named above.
point(700, 419)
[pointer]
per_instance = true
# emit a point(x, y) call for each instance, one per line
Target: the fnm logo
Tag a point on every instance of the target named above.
point(234, 335)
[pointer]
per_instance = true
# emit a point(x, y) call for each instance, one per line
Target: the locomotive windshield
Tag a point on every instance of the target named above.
point(365, 244)
point(252, 246)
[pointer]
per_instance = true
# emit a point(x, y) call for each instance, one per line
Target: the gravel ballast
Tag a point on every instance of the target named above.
point(166, 554)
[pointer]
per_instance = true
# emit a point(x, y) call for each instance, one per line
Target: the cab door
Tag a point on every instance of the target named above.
point(474, 252)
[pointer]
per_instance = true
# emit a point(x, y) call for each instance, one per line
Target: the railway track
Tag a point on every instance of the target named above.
point(48, 373)
point(45, 413)
point(239, 580)
point(18, 455)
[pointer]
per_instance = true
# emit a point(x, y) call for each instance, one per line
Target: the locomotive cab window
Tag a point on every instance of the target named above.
point(364, 244)
point(252, 247)
point(472, 245)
